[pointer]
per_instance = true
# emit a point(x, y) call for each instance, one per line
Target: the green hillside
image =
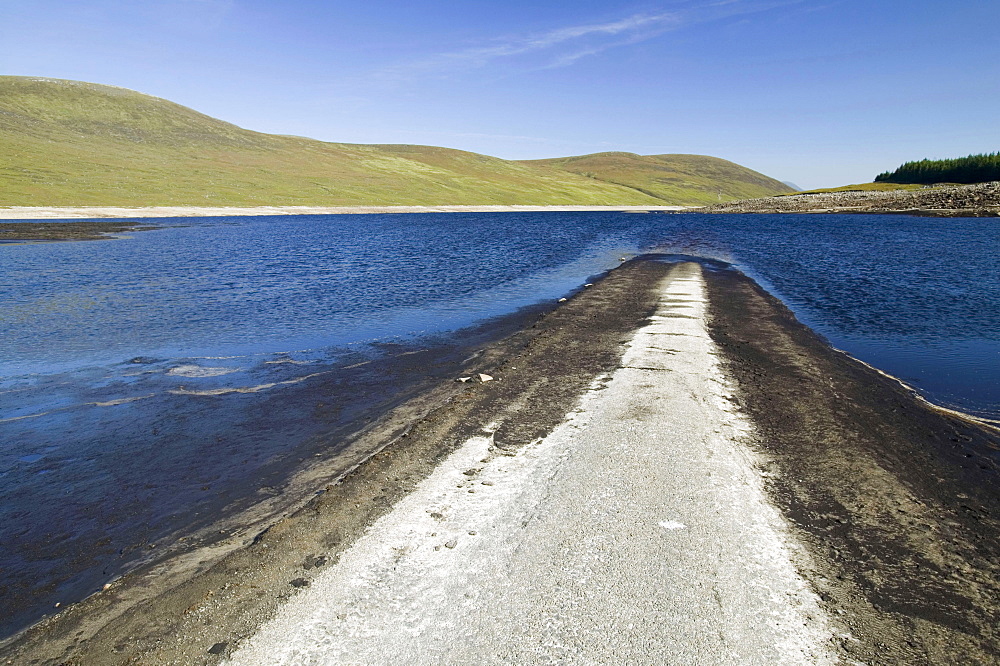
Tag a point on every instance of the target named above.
point(677, 179)
point(65, 143)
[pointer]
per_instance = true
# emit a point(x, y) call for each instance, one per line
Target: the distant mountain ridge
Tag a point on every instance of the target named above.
point(71, 143)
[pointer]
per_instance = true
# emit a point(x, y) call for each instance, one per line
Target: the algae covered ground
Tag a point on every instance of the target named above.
point(70, 143)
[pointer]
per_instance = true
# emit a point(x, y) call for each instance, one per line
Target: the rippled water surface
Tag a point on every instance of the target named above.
point(149, 383)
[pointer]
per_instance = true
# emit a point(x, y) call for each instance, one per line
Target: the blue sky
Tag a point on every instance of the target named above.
point(821, 93)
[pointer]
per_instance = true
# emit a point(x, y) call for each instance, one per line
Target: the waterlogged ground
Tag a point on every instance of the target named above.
point(150, 385)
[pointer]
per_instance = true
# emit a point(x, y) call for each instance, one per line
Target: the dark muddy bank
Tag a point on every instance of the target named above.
point(47, 232)
point(897, 502)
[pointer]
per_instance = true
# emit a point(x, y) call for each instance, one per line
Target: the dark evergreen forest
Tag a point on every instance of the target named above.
point(971, 169)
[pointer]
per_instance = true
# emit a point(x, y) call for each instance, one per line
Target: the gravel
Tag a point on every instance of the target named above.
point(980, 200)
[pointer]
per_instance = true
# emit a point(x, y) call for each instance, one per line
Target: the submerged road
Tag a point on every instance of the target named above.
point(669, 468)
point(638, 531)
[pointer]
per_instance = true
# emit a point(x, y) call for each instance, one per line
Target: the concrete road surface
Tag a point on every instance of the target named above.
point(637, 532)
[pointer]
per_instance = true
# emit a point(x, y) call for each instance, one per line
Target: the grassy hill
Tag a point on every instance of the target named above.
point(681, 179)
point(73, 143)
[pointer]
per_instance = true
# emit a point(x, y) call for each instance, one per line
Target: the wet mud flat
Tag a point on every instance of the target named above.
point(895, 501)
point(48, 232)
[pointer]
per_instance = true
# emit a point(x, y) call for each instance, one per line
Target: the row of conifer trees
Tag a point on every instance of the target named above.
point(971, 169)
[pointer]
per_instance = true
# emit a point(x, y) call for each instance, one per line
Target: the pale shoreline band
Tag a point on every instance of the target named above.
point(92, 212)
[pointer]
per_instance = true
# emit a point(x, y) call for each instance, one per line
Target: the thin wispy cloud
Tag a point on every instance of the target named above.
point(648, 25)
point(564, 46)
point(559, 47)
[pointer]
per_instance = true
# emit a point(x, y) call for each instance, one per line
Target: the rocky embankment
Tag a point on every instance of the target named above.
point(980, 200)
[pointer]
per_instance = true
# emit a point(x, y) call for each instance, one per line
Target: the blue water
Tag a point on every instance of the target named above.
point(146, 383)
